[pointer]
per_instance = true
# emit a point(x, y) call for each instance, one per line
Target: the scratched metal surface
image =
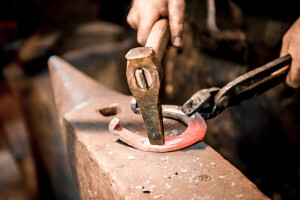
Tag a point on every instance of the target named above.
point(108, 169)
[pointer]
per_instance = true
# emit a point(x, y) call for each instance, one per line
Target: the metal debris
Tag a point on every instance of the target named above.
point(175, 132)
point(204, 177)
point(239, 195)
point(166, 159)
point(139, 187)
point(131, 157)
point(157, 196)
point(172, 175)
point(168, 186)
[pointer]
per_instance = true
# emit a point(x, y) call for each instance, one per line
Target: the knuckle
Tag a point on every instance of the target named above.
point(128, 19)
point(285, 38)
point(140, 38)
point(176, 28)
point(132, 20)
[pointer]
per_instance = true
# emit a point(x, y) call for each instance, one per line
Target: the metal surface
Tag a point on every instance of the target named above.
point(210, 102)
point(144, 76)
point(196, 129)
point(106, 168)
point(55, 180)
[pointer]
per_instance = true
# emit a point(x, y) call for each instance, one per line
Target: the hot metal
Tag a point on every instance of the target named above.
point(196, 129)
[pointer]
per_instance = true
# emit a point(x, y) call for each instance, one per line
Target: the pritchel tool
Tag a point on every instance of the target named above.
point(144, 75)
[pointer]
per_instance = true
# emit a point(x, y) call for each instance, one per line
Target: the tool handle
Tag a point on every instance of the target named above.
point(256, 81)
point(159, 37)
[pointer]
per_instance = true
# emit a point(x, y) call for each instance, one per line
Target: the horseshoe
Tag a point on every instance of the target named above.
point(195, 131)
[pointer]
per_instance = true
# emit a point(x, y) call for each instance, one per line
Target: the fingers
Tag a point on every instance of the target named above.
point(145, 26)
point(293, 77)
point(176, 17)
point(291, 45)
point(144, 13)
point(132, 18)
point(285, 45)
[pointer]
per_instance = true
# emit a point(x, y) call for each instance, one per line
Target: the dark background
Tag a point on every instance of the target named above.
point(266, 147)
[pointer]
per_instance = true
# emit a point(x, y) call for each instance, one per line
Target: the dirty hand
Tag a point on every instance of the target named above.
point(144, 13)
point(291, 45)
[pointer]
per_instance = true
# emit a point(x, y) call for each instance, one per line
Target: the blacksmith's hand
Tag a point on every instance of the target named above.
point(144, 13)
point(291, 45)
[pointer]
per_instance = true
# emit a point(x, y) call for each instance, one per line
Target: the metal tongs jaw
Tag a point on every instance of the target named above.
point(202, 102)
point(210, 102)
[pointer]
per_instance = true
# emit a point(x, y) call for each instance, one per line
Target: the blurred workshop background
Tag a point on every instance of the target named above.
point(260, 137)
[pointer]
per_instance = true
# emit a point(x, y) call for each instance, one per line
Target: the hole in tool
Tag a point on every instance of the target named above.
point(110, 110)
point(143, 78)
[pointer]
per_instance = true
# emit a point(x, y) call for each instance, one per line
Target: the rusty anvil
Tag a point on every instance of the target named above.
point(144, 75)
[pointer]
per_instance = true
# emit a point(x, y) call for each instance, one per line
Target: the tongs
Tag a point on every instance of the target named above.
point(211, 102)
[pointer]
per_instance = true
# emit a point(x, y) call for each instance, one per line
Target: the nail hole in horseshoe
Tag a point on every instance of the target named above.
point(110, 110)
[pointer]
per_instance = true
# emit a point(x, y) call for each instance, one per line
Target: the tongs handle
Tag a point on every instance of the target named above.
point(253, 83)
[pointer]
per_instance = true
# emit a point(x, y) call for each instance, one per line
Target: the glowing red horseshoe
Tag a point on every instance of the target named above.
point(195, 131)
